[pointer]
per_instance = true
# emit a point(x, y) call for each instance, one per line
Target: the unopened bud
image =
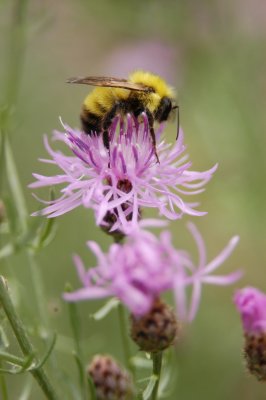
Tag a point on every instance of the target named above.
point(111, 381)
point(157, 330)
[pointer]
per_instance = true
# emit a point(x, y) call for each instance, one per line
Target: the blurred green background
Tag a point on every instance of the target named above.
point(213, 52)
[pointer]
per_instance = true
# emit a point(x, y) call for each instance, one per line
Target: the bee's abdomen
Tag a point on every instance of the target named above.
point(91, 123)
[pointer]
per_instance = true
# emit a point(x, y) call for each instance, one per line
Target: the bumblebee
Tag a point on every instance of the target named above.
point(141, 92)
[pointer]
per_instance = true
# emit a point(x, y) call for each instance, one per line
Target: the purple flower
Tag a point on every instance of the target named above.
point(251, 304)
point(138, 271)
point(116, 189)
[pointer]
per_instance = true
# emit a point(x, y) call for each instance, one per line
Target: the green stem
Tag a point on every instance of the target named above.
point(3, 386)
point(123, 324)
point(17, 44)
point(15, 186)
point(23, 339)
point(75, 326)
point(2, 159)
point(15, 60)
point(157, 366)
point(18, 197)
point(15, 57)
point(39, 294)
point(125, 337)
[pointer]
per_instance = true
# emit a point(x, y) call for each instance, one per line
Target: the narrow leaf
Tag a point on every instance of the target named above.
point(4, 342)
point(106, 309)
point(140, 362)
point(149, 388)
point(46, 232)
point(92, 390)
point(46, 355)
point(75, 325)
point(26, 390)
point(12, 216)
point(7, 250)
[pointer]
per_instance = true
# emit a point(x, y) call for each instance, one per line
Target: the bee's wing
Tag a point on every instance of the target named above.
point(105, 81)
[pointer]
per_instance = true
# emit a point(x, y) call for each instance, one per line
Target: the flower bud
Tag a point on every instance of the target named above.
point(251, 303)
point(110, 380)
point(157, 330)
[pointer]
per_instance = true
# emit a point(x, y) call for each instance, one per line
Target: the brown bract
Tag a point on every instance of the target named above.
point(157, 330)
point(255, 355)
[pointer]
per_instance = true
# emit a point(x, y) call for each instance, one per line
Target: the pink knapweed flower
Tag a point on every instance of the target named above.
point(138, 271)
point(117, 187)
point(251, 304)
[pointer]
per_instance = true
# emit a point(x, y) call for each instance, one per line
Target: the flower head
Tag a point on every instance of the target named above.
point(138, 271)
point(111, 381)
point(116, 187)
point(251, 304)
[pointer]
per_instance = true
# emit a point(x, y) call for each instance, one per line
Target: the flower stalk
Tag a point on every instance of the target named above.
point(125, 338)
point(3, 386)
point(15, 59)
point(157, 366)
point(23, 340)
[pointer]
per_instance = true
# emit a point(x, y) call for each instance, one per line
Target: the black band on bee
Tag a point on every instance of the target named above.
point(90, 122)
point(163, 109)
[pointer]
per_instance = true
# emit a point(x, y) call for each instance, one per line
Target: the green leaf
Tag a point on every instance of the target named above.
point(46, 355)
point(80, 368)
point(169, 377)
point(75, 325)
point(10, 371)
point(19, 365)
point(12, 216)
point(141, 362)
point(42, 232)
point(149, 388)
point(16, 189)
point(4, 228)
point(29, 361)
point(46, 232)
point(7, 250)
point(74, 321)
point(4, 343)
point(106, 309)
point(92, 390)
point(26, 390)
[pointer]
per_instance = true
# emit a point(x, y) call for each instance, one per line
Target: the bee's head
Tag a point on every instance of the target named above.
point(164, 109)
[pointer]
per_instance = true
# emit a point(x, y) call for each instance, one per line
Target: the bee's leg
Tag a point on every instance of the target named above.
point(178, 122)
point(106, 123)
point(152, 133)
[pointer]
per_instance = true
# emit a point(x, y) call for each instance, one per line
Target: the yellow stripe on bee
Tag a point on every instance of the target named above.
point(102, 99)
point(153, 81)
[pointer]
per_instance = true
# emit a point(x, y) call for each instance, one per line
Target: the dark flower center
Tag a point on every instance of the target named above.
point(125, 185)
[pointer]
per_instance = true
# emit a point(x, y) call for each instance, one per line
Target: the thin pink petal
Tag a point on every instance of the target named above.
point(225, 253)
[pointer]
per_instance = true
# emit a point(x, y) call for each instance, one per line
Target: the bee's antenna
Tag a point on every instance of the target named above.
point(178, 121)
